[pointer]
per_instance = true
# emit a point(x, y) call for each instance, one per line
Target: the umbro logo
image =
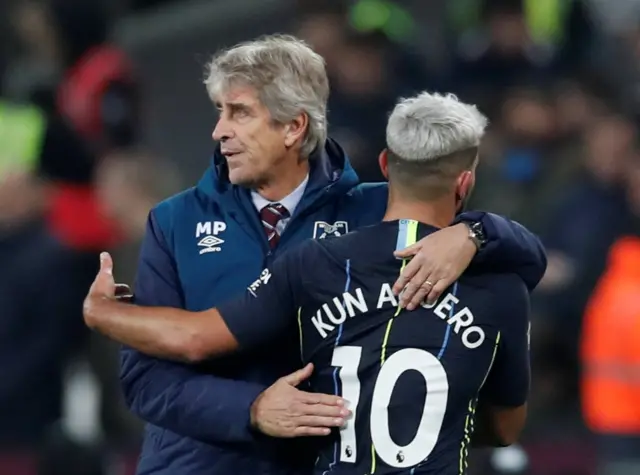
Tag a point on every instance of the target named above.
point(210, 242)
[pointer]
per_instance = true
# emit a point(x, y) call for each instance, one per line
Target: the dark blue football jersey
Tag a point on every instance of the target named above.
point(411, 378)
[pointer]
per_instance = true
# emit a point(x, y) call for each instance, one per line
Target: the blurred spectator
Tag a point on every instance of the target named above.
point(612, 21)
point(577, 102)
point(129, 183)
point(30, 74)
point(325, 28)
point(363, 90)
point(389, 20)
point(587, 218)
point(41, 289)
point(89, 113)
point(500, 54)
point(617, 63)
point(611, 354)
point(41, 325)
point(98, 75)
point(97, 96)
point(520, 162)
point(367, 71)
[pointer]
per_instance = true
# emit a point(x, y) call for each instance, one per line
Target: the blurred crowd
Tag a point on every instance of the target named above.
point(559, 80)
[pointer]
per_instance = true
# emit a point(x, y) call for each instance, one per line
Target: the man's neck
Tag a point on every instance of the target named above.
point(284, 181)
point(435, 214)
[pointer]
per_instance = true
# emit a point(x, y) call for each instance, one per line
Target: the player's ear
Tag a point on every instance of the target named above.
point(464, 184)
point(295, 129)
point(383, 161)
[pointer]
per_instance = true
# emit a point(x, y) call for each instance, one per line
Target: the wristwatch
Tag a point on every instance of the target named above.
point(476, 233)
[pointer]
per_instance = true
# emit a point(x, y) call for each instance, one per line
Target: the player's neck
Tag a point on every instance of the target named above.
point(435, 214)
point(285, 180)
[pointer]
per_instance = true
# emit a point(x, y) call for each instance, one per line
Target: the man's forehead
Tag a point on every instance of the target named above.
point(238, 95)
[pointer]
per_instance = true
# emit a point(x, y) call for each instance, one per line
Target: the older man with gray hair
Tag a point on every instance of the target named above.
point(275, 181)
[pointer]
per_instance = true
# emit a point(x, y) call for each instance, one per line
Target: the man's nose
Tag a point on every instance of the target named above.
point(222, 131)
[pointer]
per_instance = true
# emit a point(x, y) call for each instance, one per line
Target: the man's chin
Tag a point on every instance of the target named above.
point(236, 177)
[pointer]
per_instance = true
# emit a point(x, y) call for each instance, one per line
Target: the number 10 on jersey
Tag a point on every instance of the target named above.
point(347, 358)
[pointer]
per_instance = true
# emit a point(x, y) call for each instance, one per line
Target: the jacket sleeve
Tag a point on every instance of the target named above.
point(171, 395)
point(510, 247)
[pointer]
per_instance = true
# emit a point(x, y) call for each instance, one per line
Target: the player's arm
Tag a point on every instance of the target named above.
point(266, 309)
point(502, 405)
point(439, 259)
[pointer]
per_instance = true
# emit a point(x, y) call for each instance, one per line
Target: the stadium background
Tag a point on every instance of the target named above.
point(559, 80)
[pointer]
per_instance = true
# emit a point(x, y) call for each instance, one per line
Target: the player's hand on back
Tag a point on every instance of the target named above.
point(436, 262)
point(282, 410)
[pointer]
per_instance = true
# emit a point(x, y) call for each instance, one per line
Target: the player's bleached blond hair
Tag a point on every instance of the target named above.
point(429, 126)
point(431, 139)
point(289, 77)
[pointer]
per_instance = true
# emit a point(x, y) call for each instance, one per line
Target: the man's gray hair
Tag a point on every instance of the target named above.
point(430, 126)
point(288, 75)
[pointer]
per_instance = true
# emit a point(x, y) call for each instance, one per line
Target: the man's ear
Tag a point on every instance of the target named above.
point(464, 184)
point(295, 129)
point(383, 161)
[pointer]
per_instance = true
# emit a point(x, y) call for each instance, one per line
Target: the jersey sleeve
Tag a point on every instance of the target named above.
point(270, 303)
point(510, 376)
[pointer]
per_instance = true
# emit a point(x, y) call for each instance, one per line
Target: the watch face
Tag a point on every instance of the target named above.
point(478, 231)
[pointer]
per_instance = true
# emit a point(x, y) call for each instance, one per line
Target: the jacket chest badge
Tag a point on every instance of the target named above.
point(322, 229)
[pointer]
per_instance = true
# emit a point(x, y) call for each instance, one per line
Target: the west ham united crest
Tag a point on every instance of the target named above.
point(322, 230)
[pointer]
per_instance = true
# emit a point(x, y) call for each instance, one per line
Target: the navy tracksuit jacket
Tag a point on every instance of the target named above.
point(207, 244)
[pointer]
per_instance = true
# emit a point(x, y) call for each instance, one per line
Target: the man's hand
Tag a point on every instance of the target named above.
point(105, 288)
point(284, 411)
point(102, 289)
point(103, 285)
point(436, 262)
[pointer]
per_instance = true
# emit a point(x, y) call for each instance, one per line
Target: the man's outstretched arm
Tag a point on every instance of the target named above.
point(262, 313)
point(163, 332)
point(175, 396)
